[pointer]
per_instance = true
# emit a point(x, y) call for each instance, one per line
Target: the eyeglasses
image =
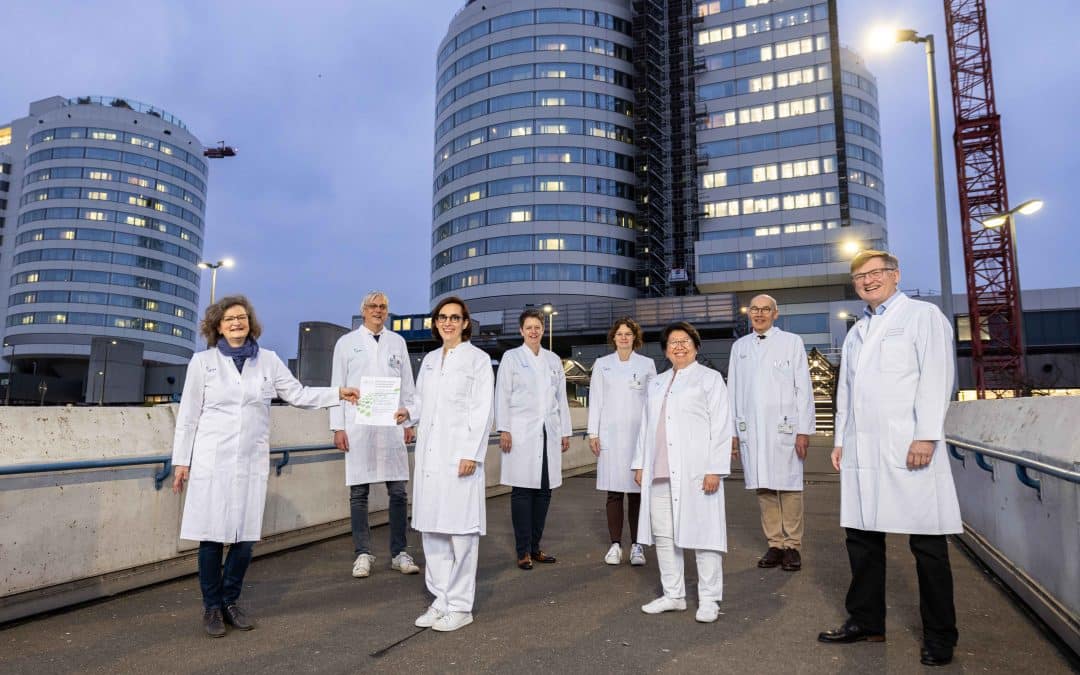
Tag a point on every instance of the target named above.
point(449, 318)
point(680, 343)
point(624, 335)
point(375, 306)
point(231, 319)
point(871, 275)
point(759, 310)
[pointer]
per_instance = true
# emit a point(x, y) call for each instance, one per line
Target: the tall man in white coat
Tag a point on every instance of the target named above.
point(773, 409)
point(374, 454)
point(896, 379)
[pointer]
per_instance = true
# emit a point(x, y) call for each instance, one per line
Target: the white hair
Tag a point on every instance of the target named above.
point(370, 298)
point(775, 306)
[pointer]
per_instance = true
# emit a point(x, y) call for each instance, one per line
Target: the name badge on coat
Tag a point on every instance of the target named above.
point(394, 362)
point(636, 383)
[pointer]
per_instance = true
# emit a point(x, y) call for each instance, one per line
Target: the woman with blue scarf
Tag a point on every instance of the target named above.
point(222, 450)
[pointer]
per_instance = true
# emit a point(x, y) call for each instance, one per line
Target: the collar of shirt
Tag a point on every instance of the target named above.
point(882, 307)
point(372, 334)
point(761, 336)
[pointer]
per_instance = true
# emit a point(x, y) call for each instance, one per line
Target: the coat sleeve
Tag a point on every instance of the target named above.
point(503, 387)
point(720, 429)
point(408, 390)
point(290, 390)
point(480, 411)
point(639, 449)
point(338, 372)
point(564, 405)
point(732, 377)
point(842, 395)
point(596, 399)
point(804, 390)
point(934, 351)
point(187, 417)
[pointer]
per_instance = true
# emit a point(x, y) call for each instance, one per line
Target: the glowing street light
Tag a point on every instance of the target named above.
point(213, 267)
point(850, 248)
point(551, 314)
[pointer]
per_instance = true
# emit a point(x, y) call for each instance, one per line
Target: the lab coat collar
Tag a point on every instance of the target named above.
point(867, 312)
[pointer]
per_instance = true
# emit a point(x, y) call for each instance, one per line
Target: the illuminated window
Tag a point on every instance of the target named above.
point(5, 135)
point(94, 215)
point(427, 322)
point(161, 187)
point(554, 185)
point(136, 221)
point(136, 200)
point(103, 135)
point(472, 196)
point(60, 318)
point(100, 175)
point(151, 305)
point(521, 216)
point(32, 278)
point(26, 319)
point(715, 179)
point(97, 194)
point(67, 234)
point(149, 325)
point(137, 180)
point(395, 325)
point(406, 324)
point(37, 236)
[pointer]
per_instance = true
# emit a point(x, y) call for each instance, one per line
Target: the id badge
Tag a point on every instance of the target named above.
point(394, 361)
point(636, 383)
point(742, 426)
point(785, 428)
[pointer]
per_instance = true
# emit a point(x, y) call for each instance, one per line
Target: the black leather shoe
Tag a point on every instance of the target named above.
point(935, 658)
point(541, 557)
point(213, 623)
point(792, 561)
point(849, 633)
point(235, 617)
point(772, 558)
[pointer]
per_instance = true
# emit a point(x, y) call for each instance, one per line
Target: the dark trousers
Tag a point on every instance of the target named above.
point(221, 587)
point(866, 596)
point(615, 515)
point(528, 510)
point(358, 512)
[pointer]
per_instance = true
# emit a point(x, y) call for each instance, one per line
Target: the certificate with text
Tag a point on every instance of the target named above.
point(379, 400)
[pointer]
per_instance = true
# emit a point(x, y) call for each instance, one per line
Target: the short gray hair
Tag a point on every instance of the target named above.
point(370, 298)
point(775, 306)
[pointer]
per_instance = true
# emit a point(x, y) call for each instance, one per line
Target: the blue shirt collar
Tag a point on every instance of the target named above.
point(882, 307)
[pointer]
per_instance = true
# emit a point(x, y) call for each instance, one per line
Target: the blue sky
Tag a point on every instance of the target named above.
point(332, 104)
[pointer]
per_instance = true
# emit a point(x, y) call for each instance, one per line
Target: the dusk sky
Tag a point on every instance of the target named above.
point(331, 105)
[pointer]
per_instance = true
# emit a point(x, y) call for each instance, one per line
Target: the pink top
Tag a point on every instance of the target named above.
point(661, 470)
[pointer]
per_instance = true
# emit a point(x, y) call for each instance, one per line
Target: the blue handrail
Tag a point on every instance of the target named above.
point(1023, 464)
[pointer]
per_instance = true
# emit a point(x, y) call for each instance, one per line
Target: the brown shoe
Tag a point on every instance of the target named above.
point(792, 561)
point(525, 563)
point(772, 558)
point(542, 557)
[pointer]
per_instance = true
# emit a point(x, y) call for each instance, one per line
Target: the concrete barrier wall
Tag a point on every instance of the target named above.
point(1032, 542)
point(77, 535)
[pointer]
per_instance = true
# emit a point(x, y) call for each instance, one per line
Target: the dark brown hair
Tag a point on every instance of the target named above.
point(216, 312)
point(629, 323)
point(530, 313)
point(466, 328)
point(684, 327)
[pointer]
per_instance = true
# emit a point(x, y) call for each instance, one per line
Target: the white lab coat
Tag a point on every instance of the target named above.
point(772, 401)
point(526, 403)
point(453, 409)
point(617, 392)
point(896, 378)
point(223, 434)
point(699, 431)
point(376, 454)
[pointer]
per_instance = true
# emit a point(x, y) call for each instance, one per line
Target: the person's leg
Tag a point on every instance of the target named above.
point(710, 569)
point(614, 516)
point(791, 512)
point(210, 573)
point(461, 589)
point(236, 564)
point(541, 503)
point(865, 600)
point(633, 508)
point(521, 514)
point(358, 512)
point(669, 557)
point(769, 505)
point(438, 561)
point(935, 591)
point(399, 515)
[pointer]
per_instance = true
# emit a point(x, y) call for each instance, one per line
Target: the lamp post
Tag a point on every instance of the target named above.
point(550, 311)
point(11, 373)
point(104, 372)
point(1009, 219)
point(882, 39)
point(213, 267)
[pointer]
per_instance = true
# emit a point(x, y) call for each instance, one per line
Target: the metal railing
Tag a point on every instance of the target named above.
point(1023, 464)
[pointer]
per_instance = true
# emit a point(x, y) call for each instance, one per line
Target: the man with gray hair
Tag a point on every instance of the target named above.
point(374, 454)
point(773, 410)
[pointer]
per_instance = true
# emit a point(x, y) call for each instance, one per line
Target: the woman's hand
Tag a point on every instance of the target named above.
point(594, 445)
point(837, 454)
point(350, 394)
point(565, 443)
point(180, 475)
point(711, 483)
point(734, 447)
point(637, 476)
point(466, 467)
point(505, 441)
point(401, 416)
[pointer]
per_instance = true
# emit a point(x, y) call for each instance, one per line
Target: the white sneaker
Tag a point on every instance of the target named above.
point(361, 568)
point(637, 555)
point(664, 604)
point(403, 563)
point(428, 618)
point(614, 555)
point(452, 621)
point(707, 611)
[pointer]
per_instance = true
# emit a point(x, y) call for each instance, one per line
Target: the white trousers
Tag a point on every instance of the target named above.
point(450, 569)
point(670, 557)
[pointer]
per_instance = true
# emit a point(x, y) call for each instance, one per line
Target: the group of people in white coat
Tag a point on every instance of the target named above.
point(662, 441)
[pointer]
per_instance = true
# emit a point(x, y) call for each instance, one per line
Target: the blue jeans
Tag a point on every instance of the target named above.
point(222, 587)
point(399, 512)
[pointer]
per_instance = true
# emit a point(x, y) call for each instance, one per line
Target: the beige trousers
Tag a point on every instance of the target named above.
point(782, 517)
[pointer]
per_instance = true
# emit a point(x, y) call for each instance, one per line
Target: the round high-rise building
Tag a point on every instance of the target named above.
point(534, 155)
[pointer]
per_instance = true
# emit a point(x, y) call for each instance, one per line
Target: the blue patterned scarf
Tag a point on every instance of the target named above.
point(240, 354)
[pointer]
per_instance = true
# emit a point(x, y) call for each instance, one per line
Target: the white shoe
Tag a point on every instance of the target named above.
point(428, 618)
point(664, 604)
point(403, 563)
point(614, 555)
point(361, 568)
point(707, 611)
point(452, 621)
point(637, 555)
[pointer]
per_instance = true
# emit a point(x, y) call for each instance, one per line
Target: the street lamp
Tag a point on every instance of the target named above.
point(551, 313)
point(850, 248)
point(882, 39)
point(213, 267)
point(1009, 219)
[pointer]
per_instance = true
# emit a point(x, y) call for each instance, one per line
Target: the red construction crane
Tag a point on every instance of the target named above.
point(220, 152)
point(993, 282)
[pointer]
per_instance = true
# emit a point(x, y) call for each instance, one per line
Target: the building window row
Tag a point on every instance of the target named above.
point(777, 257)
point(765, 82)
point(789, 201)
point(803, 324)
point(856, 80)
point(519, 128)
point(857, 201)
point(538, 43)
point(529, 213)
point(766, 112)
point(764, 173)
point(776, 50)
point(539, 99)
point(855, 151)
point(771, 230)
point(859, 105)
point(763, 24)
point(117, 136)
point(100, 277)
point(100, 298)
point(109, 155)
point(537, 155)
point(709, 7)
point(865, 130)
point(108, 216)
point(523, 184)
point(97, 173)
point(538, 272)
point(108, 237)
point(866, 178)
point(539, 71)
point(105, 195)
point(770, 141)
point(532, 242)
point(88, 255)
point(103, 320)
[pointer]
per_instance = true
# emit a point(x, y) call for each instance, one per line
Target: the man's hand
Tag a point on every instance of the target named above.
point(837, 453)
point(637, 476)
point(802, 444)
point(565, 443)
point(505, 441)
point(401, 416)
point(919, 454)
point(711, 483)
point(341, 441)
point(466, 467)
point(181, 475)
point(350, 394)
point(594, 445)
point(410, 434)
point(734, 447)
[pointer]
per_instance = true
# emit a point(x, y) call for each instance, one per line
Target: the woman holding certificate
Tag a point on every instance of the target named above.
point(453, 412)
point(222, 446)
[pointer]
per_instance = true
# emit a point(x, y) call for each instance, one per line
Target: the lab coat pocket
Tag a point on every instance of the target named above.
point(267, 392)
point(898, 443)
point(896, 354)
